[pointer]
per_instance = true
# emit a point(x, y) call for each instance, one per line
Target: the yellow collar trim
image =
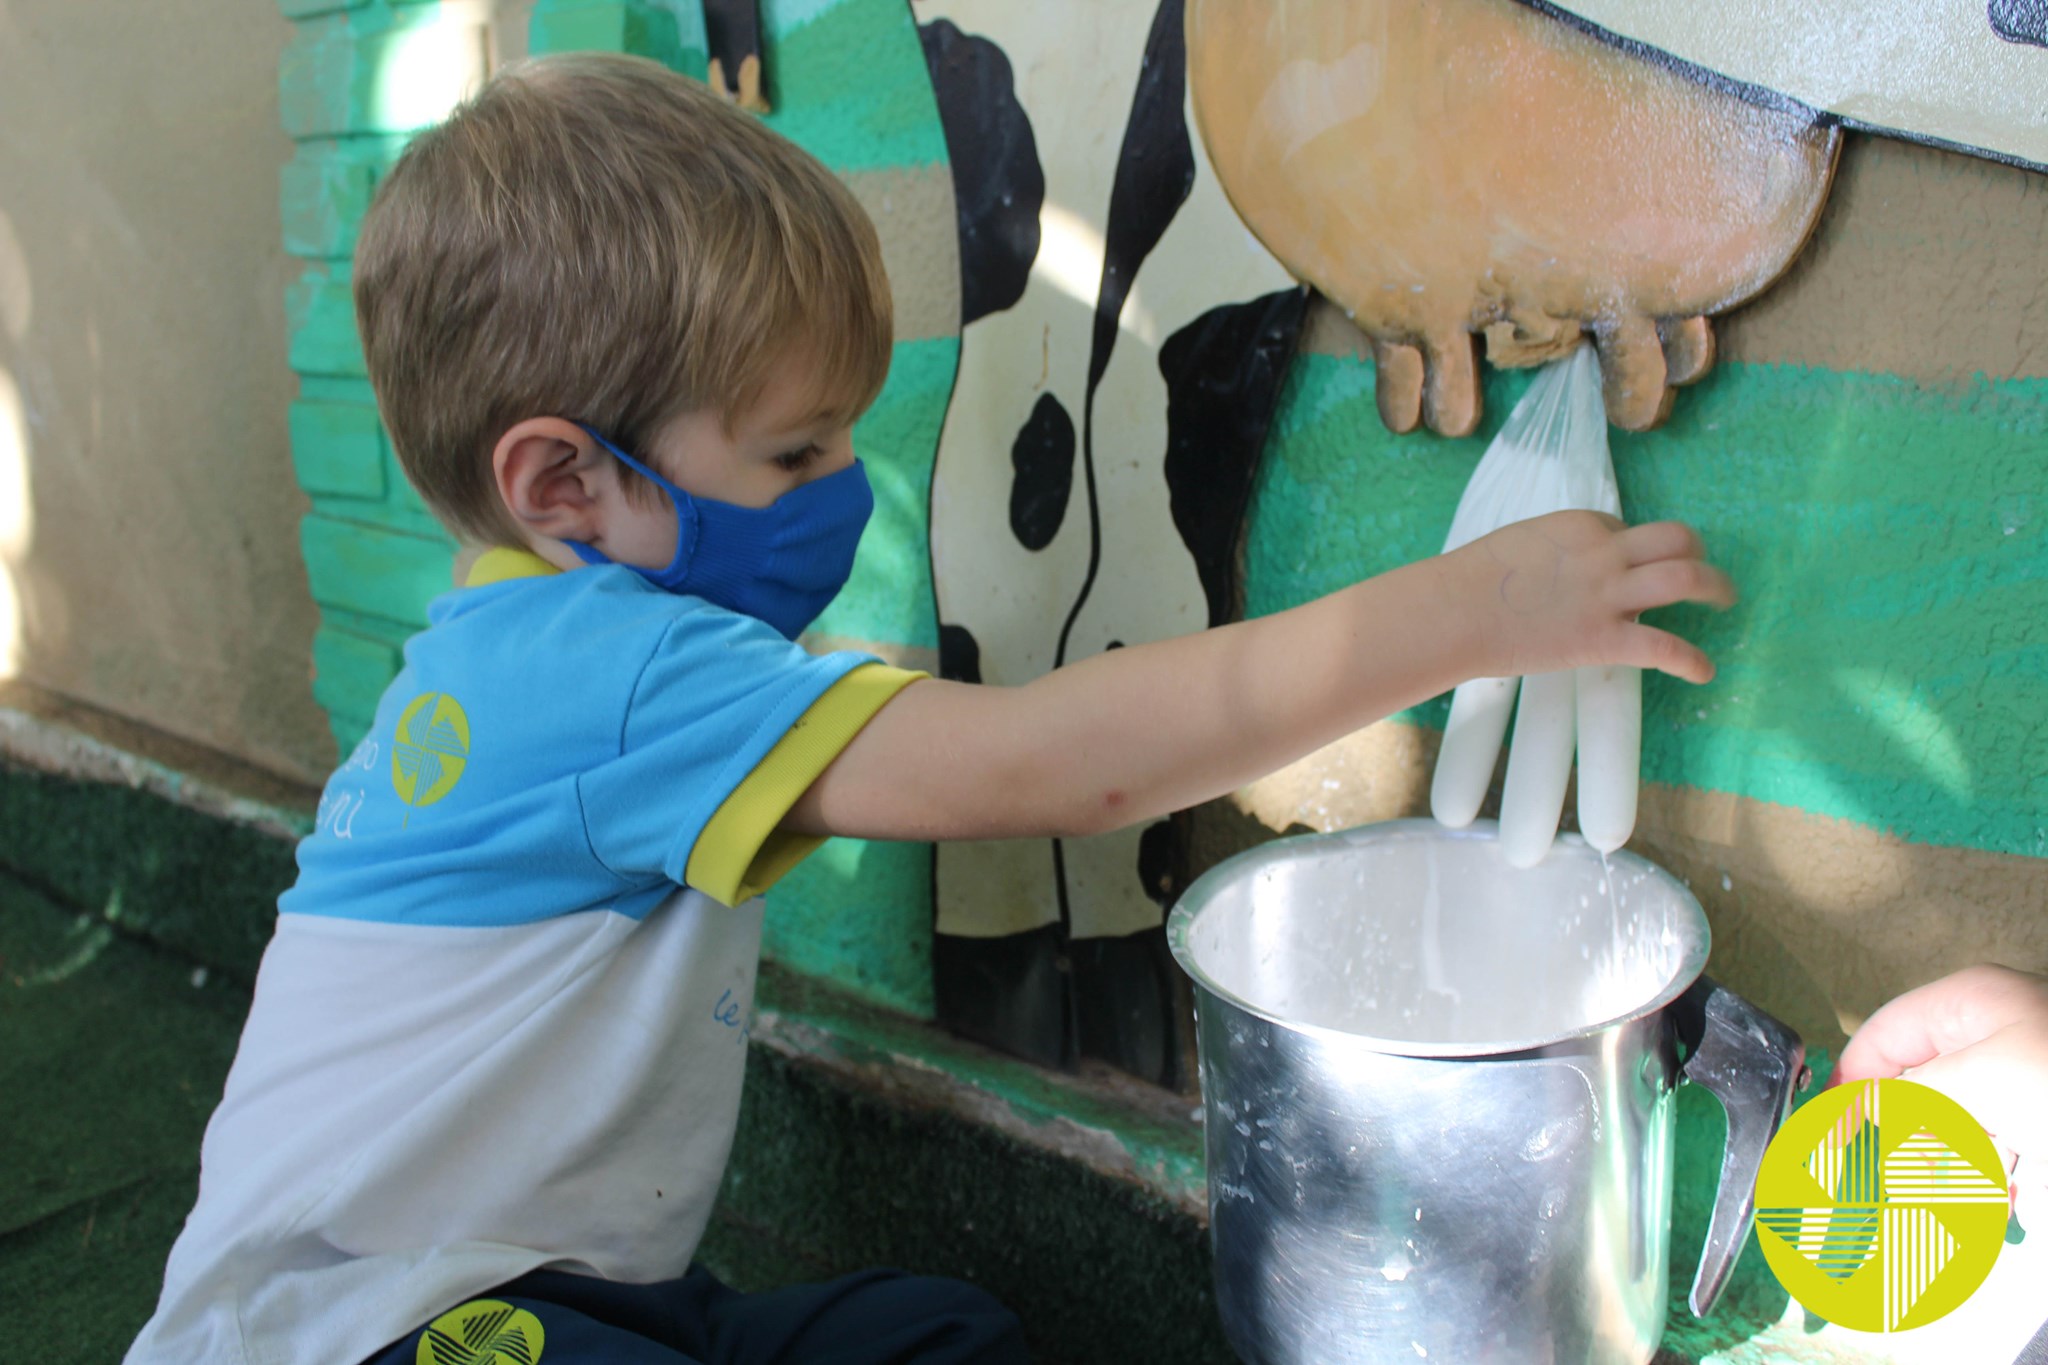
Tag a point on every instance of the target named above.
point(497, 565)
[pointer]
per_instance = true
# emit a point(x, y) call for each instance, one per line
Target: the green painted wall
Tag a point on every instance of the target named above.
point(1889, 661)
point(847, 81)
point(858, 913)
point(889, 596)
point(672, 34)
point(374, 558)
point(1885, 667)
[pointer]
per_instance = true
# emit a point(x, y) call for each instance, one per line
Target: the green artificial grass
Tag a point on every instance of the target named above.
point(111, 1059)
point(205, 886)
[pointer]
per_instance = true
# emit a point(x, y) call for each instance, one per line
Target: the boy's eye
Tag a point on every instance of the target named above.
point(794, 460)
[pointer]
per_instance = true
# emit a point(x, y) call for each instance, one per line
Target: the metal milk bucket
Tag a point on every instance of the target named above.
point(1438, 1096)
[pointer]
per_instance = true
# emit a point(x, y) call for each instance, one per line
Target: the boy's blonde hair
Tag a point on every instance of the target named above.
point(598, 238)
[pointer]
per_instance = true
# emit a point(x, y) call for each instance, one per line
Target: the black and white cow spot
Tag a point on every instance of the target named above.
point(2020, 21)
point(998, 188)
point(1042, 465)
point(1123, 341)
point(1223, 375)
point(959, 655)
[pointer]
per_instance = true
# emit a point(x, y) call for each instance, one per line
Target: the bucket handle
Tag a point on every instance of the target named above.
point(1754, 1065)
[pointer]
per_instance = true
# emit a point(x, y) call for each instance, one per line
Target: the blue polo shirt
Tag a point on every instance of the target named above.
point(559, 741)
point(501, 1025)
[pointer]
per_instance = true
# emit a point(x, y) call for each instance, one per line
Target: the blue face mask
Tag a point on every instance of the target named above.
point(781, 564)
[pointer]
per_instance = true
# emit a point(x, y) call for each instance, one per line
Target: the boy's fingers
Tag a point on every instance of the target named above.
point(1655, 540)
point(2000, 1082)
point(1940, 1017)
point(1649, 647)
point(1665, 581)
point(1910, 1030)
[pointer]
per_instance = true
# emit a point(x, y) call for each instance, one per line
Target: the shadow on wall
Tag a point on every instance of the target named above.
point(147, 507)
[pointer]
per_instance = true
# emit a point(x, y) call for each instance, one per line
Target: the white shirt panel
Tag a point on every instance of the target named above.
point(419, 1113)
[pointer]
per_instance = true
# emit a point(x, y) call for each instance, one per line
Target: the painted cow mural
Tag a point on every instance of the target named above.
point(1123, 344)
point(1449, 174)
point(1967, 75)
point(1473, 169)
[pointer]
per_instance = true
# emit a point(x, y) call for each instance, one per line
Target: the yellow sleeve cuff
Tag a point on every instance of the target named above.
point(742, 851)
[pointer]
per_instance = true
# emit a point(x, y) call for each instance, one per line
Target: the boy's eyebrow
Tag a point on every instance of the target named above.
point(824, 415)
point(779, 438)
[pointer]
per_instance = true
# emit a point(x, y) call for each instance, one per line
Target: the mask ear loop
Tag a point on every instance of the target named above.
point(680, 499)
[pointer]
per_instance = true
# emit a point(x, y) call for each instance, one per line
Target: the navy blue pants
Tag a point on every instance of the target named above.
point(877, 1317)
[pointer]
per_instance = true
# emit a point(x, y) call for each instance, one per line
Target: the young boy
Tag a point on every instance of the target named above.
point(619, 333)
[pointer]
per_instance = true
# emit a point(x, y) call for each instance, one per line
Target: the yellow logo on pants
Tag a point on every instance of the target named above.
point(482, 1332)
point(431, 751)
point(1881, 1226)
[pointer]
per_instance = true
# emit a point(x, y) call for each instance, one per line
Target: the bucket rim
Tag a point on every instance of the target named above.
point(1204, 889)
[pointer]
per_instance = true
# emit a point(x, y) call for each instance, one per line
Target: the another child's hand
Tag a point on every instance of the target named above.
point(1980, 1036)
point(1564, 590)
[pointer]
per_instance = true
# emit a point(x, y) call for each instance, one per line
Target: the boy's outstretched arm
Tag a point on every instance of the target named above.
point(1134, 733)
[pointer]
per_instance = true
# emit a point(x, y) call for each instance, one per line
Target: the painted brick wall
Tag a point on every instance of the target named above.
point(374, 557)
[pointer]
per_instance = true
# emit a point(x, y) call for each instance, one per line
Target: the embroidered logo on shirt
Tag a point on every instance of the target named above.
point(482, 1332)
point(431, 750)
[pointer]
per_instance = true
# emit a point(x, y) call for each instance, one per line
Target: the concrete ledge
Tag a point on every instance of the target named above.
point(53, 734)
point(152, 835)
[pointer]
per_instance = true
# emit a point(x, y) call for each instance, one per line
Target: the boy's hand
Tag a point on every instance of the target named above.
point(1564, 590)
point(1133, 733)
point(1980, 1036)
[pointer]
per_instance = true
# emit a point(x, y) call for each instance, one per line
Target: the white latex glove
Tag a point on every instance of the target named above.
point(1550, 455)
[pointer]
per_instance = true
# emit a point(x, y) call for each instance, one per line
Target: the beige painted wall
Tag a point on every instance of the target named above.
point(149, 560)
point(148, 515)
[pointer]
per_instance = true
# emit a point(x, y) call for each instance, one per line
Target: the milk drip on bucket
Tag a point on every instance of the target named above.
point(1550, 455)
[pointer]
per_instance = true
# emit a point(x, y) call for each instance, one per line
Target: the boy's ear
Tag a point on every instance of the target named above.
point(552, 477)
